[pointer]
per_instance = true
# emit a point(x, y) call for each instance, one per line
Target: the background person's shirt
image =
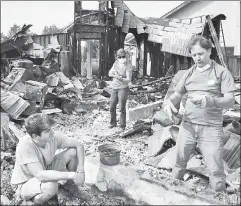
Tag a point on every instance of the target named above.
point(116, 83)
point(215, 81)
point(28, 152)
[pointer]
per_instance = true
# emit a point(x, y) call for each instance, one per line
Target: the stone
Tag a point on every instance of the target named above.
point(102, 186)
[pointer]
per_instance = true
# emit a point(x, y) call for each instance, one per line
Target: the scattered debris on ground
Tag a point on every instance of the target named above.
point(80, 108)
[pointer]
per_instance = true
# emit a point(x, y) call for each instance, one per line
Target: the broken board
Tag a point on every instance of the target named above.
point(157, 140)
point(168, 158)
point(51, 111)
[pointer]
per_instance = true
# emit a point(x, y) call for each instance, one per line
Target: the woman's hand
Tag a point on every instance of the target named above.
point(169, 109)
point(118, 77)
point(79, 178)
point(203, 101)
point(198, 100)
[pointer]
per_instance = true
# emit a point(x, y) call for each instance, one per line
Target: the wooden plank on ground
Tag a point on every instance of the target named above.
point(51, 111)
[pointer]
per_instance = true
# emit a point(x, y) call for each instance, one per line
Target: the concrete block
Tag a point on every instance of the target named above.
point(143, 111)
point(129, 181)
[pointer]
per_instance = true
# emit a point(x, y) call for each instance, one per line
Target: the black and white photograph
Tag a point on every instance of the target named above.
point(120, 103)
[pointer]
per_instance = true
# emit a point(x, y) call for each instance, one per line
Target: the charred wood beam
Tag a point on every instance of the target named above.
point(144, 91)
point(153, 82)
point(89, 28)
point(89, 35)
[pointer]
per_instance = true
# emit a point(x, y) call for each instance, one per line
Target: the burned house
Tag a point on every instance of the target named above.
point(161, 45)
point(86, 51)
point(87, 47)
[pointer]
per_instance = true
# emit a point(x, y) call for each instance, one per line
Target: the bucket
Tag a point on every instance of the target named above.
point(109, 154)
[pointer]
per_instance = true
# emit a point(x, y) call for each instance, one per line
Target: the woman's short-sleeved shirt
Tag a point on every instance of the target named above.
point(28, 152)
point(214, 81)
point(118, 84)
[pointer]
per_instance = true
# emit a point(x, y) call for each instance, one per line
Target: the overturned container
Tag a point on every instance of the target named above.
point(109, 154)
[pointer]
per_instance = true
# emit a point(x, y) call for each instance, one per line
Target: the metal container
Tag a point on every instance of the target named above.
point(109, 154)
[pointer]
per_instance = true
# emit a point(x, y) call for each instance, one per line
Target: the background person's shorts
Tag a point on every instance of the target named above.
point(32, 187)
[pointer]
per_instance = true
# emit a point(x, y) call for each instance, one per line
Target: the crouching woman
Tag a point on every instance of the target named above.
point(37, 168)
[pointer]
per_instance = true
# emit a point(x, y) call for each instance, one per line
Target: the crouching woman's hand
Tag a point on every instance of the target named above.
point(79, 178)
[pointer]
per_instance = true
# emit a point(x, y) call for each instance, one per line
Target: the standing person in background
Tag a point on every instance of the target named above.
point(121, 72)
point(210, 88)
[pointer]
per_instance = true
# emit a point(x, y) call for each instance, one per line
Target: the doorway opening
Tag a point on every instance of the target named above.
point(90, 58)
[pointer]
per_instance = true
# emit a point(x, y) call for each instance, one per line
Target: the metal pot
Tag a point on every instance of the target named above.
point(109, 154)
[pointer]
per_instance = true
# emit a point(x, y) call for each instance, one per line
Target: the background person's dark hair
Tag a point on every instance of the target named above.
point(202, 41)
point(37, 123)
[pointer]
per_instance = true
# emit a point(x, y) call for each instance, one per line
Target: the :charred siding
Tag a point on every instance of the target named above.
point(44, 40)
point(234, 65)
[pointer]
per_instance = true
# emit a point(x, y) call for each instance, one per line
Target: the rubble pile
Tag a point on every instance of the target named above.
point(146, 90)
point(148, 144)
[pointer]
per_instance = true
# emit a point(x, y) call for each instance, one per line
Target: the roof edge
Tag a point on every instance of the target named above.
point(180, 6)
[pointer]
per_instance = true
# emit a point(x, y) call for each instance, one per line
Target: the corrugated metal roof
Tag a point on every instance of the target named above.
point(175, 34)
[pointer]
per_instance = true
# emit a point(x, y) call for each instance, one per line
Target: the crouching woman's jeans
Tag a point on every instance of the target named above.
point(118, 95)
point(210, 142)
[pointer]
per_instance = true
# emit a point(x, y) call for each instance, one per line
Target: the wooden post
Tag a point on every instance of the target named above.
point(89, 59)
point(76, 54)
point(74, 39)
point(142, 58)
point(145, 55)
point(106, 62)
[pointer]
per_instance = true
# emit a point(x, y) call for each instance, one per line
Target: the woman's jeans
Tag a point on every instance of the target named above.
point(210, 141)
point(120, 95)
